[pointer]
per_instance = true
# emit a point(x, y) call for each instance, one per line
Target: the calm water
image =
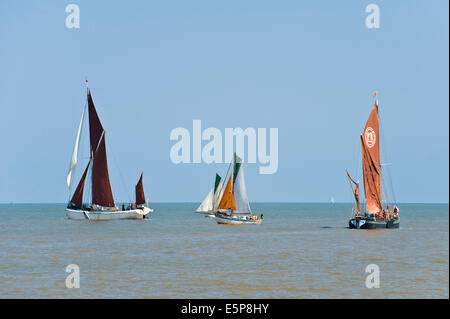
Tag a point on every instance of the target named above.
point(300, 251)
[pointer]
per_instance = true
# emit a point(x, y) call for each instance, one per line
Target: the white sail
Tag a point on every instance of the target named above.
point(240, 192)
point(207, 204)
point(73, 162)
point(218, 195)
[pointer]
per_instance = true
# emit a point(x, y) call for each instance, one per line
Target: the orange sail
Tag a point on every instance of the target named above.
point(227, 201)
point(370, 144)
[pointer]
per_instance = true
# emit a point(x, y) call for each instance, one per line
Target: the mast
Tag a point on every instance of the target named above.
point(101, 187)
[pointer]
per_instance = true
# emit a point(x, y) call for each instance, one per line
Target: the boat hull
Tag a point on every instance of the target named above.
point(79, 214)
point(236, 220)
point(362, 223)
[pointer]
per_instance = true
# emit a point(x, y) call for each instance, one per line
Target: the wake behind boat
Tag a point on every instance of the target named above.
point(102, 206)
point(234, 207)
point(376, 216)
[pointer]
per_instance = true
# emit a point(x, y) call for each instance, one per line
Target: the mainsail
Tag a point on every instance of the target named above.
point(240, 192)
point(140, 197)
point(227, 201)
point(370, 144)
point(74, 161)
point(101, 187)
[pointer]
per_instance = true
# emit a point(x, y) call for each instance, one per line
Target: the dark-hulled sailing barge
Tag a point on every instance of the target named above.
point(376, 216)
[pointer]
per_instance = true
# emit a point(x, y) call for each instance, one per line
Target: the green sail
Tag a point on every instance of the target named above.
point(217, 182)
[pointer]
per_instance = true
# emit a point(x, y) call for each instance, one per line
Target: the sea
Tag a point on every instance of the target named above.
point(301, 250)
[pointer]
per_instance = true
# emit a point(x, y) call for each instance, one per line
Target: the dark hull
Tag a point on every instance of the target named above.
point(362, 223)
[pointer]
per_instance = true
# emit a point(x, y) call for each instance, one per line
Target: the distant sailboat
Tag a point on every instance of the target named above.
point(212, 200)
point(102, 206)
point(376, 216)
point(140, 196)
point(234, 207)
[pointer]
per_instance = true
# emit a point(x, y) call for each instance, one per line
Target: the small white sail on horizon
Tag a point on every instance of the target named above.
point(207, 203)
point(74, 161)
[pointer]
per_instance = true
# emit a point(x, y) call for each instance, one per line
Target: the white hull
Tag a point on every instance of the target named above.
point(235, 219)
point(138, 213)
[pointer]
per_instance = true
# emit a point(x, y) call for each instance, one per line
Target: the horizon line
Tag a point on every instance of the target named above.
point(256, 202)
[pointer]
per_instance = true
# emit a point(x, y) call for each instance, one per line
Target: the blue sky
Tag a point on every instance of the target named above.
point(308, 68)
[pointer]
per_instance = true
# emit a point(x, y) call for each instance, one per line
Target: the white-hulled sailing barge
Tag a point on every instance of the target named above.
point(102, 206)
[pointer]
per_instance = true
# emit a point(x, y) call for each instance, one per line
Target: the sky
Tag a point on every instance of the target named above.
point(308, 68)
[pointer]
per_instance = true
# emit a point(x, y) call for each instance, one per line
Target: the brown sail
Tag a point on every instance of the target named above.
point(370, 144)
point(77, 198)
point(140, 197)
point(101, 186)
point(354, 190)
point(227, 201)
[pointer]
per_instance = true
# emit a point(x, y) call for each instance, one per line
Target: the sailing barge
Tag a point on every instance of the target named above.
point(234, 207)
point(376, 216)
point(102, 206)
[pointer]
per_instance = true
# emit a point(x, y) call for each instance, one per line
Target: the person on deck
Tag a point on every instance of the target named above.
point(395, 211)
point(388, 212)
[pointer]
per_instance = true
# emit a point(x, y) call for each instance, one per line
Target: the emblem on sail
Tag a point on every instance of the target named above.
point(370, 137)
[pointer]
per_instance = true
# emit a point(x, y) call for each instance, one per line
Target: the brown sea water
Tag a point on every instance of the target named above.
point(300, 251)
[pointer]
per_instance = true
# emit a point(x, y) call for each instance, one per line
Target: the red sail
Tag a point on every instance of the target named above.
point(372, 138)
point(101, 187)
point(77, 198)
point(140, 197)
point(354, 190)
point(370, 144)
